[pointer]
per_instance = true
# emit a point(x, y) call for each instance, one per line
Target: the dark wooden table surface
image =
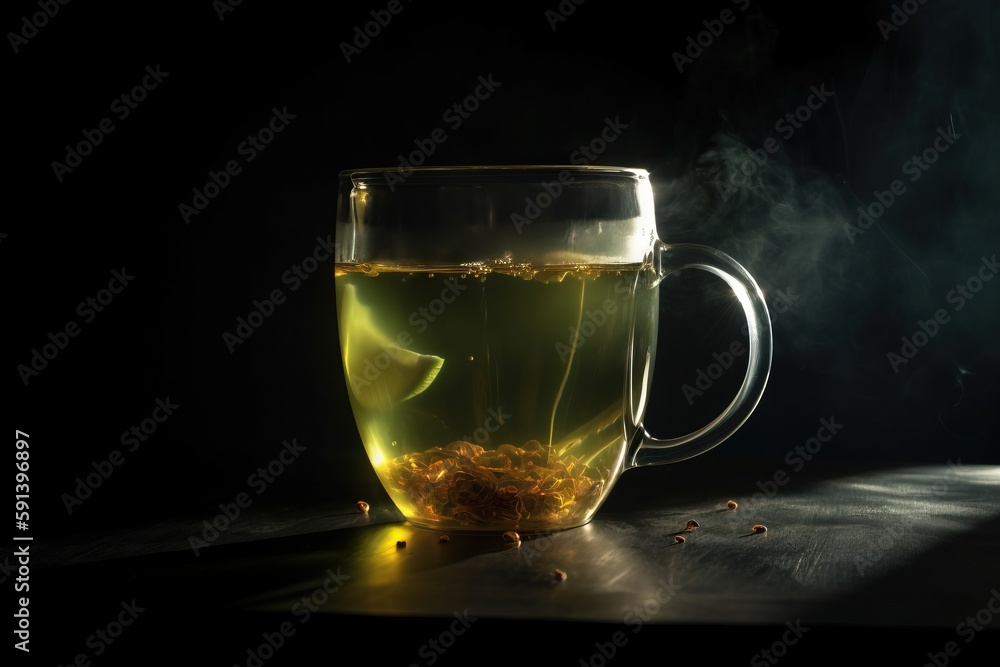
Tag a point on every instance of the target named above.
point(907, 557)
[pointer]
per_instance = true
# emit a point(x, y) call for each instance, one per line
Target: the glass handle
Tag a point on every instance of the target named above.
point(648, 450)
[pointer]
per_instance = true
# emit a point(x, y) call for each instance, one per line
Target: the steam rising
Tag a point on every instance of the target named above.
point(783, 215)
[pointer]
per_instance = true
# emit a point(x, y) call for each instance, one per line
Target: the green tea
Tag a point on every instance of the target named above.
point(496, 396)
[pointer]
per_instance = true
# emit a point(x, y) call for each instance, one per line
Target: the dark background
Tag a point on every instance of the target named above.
point(163, 335)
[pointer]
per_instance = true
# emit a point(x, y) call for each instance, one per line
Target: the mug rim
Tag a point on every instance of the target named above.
point(465, 170)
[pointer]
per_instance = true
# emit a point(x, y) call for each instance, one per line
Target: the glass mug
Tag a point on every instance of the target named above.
point(498, 331)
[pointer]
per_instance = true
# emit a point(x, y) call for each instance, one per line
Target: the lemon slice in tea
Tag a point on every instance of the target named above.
point(379, 371)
